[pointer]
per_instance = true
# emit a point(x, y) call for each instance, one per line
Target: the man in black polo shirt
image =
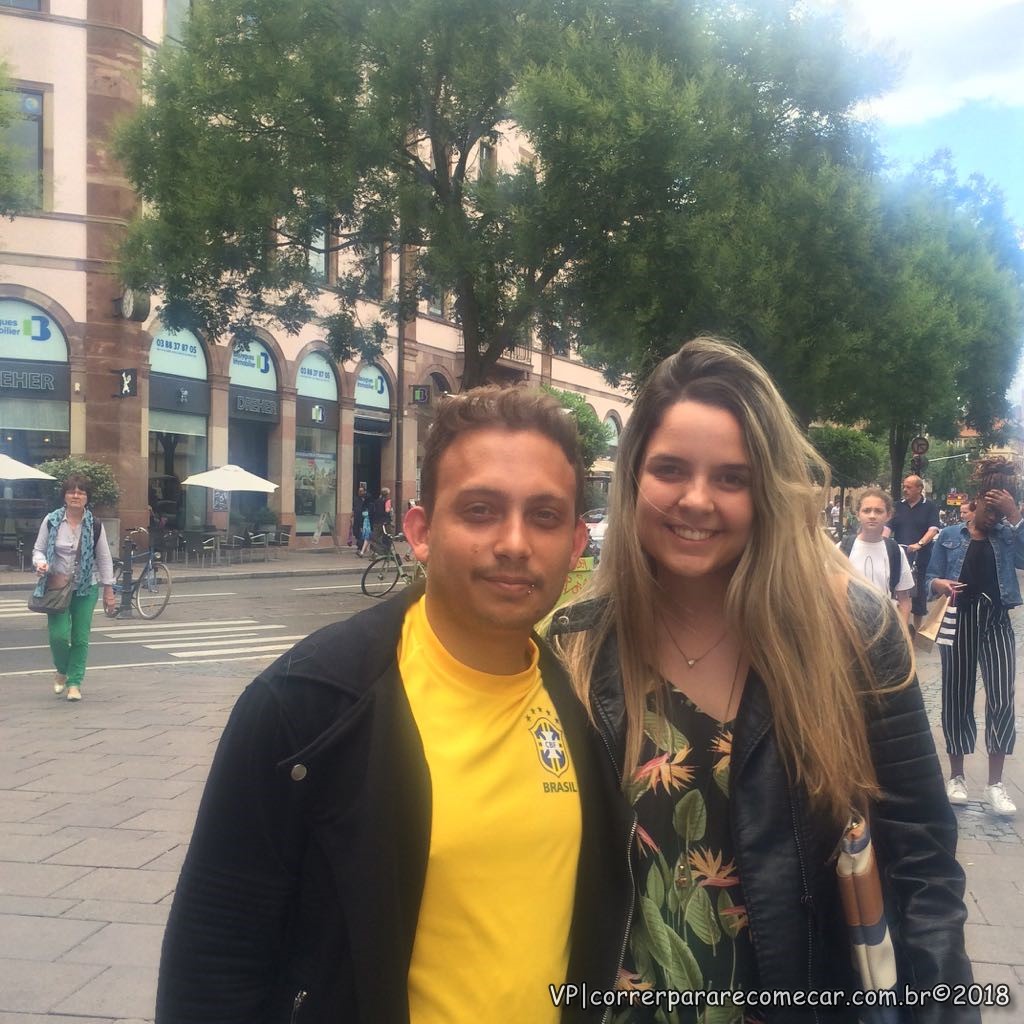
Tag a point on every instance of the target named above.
point(915, 525)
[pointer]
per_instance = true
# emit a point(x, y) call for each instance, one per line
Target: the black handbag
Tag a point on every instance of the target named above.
point(57, 599)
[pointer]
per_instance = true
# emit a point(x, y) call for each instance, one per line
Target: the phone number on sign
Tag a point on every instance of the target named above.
point(952, 995)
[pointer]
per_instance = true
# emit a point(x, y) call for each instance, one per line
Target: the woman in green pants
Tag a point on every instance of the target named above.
point(72, 545)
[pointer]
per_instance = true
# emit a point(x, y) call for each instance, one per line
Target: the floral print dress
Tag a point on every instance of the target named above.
point(690, 929)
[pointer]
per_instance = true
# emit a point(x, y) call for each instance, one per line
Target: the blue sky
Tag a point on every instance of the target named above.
point(960, 87)
point(960, 84)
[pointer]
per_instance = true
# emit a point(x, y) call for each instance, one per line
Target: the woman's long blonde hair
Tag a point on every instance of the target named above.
point(788, 595)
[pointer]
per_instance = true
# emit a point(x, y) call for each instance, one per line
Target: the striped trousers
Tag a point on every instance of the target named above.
point(984, 636)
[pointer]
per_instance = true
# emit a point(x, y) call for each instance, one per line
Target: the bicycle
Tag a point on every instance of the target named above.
point(151, 589)
point(381, 575)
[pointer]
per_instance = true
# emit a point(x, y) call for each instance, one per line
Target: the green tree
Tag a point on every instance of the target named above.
point(854, 458)
point(594, 435)
point(941, 323)
point(335, 125)
point(104, 484)
point(16, 190)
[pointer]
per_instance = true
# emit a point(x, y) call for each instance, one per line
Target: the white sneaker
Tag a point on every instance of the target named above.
point(59, 682)
point(1000, 802)
point(74, 693)
point(956, 790)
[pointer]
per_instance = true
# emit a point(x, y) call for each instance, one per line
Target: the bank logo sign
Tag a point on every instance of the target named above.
point(372, 389)
point(27, 332)
point(253, 368)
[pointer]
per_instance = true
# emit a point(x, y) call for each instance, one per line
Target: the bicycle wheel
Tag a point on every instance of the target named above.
point(153, 590)
point(380, 576)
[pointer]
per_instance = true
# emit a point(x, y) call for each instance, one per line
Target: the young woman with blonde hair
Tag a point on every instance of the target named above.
point(751, 690)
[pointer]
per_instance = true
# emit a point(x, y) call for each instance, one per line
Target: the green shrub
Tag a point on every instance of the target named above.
point(104, 486)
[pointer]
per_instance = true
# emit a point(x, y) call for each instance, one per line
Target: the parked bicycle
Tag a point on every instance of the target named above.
point(151, 589)
point(386, 570)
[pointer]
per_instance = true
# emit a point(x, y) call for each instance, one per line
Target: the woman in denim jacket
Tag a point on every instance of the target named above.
point(975, 562)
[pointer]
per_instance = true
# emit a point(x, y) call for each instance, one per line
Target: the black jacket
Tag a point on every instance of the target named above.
point(785, 851)
point(299, 896)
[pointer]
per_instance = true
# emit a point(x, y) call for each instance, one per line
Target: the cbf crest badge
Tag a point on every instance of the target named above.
point(547, 735)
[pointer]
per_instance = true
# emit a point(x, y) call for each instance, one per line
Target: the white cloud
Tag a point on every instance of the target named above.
point(952, 52)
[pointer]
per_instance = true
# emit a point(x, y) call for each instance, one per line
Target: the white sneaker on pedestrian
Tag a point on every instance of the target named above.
point(1000, 802)
point(59, 682)
point(74, 693)
point(956, 790)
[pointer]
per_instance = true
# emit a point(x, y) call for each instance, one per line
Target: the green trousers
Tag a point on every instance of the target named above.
point(69, 636)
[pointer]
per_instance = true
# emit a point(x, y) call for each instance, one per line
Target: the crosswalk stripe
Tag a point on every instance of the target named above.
point(198, 624)
point(247, 640)
point(141, 664)
point(142, 632)
point(231, 650)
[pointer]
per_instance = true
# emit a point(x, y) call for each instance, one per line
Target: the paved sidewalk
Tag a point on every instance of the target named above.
point(325, 561)
point(97, 803)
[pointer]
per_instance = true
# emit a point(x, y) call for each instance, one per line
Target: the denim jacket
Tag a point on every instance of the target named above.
point(951, 548)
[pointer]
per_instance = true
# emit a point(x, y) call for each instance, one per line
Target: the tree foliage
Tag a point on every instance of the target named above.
point(594, 435)
point(105, 490)
point(638, 124)
point(854, 458)
point(942, 321)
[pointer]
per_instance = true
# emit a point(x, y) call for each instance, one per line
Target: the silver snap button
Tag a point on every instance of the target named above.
point(562, 620)
point(298, 772)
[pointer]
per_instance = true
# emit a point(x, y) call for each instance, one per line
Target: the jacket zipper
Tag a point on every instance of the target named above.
point(632, 884)
point(807, 901)
point(300, 998)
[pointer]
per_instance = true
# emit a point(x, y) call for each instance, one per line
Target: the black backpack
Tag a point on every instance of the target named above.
point(893, 551)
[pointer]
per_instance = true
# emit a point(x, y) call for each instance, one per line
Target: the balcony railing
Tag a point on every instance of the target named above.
point(518, 354)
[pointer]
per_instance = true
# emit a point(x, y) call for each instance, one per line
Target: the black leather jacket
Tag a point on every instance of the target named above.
point(299, 897)
point(785, 851)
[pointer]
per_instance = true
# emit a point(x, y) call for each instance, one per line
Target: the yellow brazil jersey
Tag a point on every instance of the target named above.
point(493, 929)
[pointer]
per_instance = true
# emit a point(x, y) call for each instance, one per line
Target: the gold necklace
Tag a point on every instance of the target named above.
point(690, 662)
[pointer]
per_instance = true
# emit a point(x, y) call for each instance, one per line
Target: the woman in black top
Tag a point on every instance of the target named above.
point(751, 691)
point(975, 562)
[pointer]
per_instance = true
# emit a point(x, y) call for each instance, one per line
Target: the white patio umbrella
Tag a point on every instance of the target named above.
point(230, 478)
point(12, 469)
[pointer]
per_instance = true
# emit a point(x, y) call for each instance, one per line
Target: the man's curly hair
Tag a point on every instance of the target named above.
point(995, 472)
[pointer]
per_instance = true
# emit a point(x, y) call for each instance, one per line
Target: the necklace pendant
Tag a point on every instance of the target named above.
point(691, 662)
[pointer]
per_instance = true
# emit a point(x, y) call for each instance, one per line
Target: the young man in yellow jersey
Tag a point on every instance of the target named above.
point(409, 817)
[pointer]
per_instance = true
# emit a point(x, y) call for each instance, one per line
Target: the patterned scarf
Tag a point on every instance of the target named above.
point(87, 550)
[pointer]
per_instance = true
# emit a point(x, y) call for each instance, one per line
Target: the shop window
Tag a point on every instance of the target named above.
point(24, 136)
point(177, 449)
point(316, 478)
point(25, 5)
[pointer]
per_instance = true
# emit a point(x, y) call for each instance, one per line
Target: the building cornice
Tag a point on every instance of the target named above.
point(83, 23)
